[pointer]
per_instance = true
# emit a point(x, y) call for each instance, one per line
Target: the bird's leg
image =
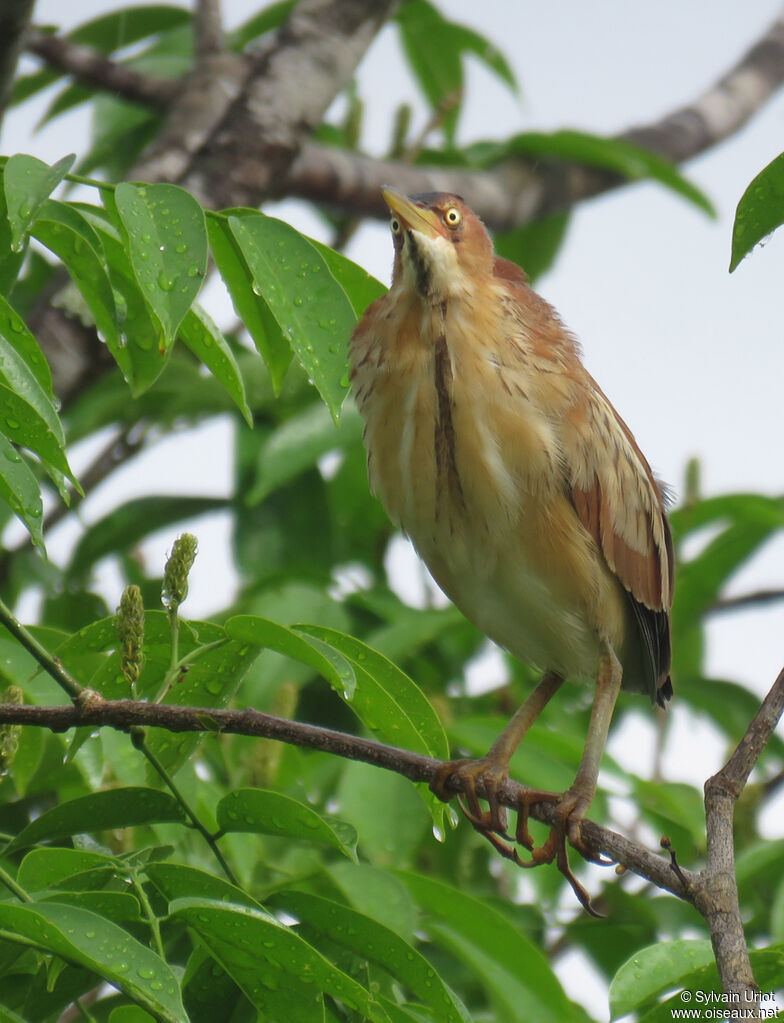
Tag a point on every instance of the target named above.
point(574, 803)
point(493, 769)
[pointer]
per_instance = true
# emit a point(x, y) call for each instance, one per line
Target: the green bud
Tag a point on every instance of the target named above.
point(10, 734)
point(130, 629)
point(175, 576)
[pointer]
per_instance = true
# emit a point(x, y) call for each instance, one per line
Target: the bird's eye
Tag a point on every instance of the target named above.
point(394, 225)
point(452, 217)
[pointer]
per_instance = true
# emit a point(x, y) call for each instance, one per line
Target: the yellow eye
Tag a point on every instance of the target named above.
point(452, 217)
point(394, 225)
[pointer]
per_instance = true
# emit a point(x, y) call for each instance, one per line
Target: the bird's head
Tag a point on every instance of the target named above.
point(441, 246)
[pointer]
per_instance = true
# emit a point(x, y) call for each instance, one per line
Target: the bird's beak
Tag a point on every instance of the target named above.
point(417, 218)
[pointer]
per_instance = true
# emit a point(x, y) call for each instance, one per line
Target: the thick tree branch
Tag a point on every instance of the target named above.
point(295, 78)
point(716, 895)
point(515, 192)
point(125, 714)
point(14, 18)
point(92, 68)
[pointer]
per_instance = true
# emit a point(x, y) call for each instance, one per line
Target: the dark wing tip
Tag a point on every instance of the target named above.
point(664, 692)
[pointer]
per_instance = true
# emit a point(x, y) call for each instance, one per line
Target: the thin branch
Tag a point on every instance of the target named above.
point(14, 18)
point(208, 28)
point(89, 67)
point(516, 192)
point(49, 663)
point(127, 714)
point(716, 896)
point(758, 598)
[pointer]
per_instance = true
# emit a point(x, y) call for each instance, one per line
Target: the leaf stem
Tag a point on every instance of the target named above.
point(49, 663)
point(139, 741)
point(12, 886)
point(152, 919)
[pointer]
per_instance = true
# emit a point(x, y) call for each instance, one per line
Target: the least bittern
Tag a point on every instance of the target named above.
point(521, 487)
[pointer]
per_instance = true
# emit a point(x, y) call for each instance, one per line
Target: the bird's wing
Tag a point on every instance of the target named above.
point(621, 504)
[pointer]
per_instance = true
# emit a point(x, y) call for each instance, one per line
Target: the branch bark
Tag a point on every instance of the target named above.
point(716, 895)
point(92, 709)
point(516, 192)
point(92, 68)
point(14, 18)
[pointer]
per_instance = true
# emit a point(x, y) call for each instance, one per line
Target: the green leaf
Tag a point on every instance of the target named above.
point(15, 333)
point(298, 444)
point(760, 210)
point(309, 305)
point(534, 246)
point(269, 18)
point(20, 490)
point(121, 907)
point(10, 261)
point(206, 341)
point(66, 232)
point(126, 525)
point(676, 802)
point(386, 700)
point(330, 663)
point(50, 867)
point(178, 881)
point(376, 893)
point(113, 808)
point(213, 677)
point(86, 939)
point(167, 240)
point(493, 948)
point(361, 288)
point(31, 422)
point(615, 155)
point(247, 944)
point(438, 68)
point(250, 307)
point(28, 182)
point(271, 813)
point(371, 940)
point(390, 704)
point(655, 969)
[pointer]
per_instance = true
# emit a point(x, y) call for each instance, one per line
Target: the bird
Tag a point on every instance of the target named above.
point(521, 488)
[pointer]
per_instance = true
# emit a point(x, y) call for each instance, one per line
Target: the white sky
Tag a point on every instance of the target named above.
point(692, 357)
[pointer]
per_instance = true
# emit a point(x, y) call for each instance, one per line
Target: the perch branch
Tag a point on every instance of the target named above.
point(127, 714)
point(89, 67)
point(716, 895)
point(208, 27)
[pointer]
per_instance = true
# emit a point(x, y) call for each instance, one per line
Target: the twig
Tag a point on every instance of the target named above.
point(716, 896)
point(208, 27)
point(756, 599)
point(139, 741)
point(92, 68)
point(49, 663)
point(125, 714)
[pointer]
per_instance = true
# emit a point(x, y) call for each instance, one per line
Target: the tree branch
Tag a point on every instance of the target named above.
point(208, 27)
point(756, 599)
point(716, 895)
point(92, 68)
point(295, 78)
point(14, 18)
point(126, 714)
point(516, 192)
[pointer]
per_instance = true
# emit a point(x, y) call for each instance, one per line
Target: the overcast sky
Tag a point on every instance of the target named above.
point(692, 357)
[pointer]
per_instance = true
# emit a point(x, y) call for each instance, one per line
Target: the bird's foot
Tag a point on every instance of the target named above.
point(490, 823)
point(569, 813)
point(491, 777)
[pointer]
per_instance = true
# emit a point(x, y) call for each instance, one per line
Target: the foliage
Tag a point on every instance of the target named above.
point(212, 877)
